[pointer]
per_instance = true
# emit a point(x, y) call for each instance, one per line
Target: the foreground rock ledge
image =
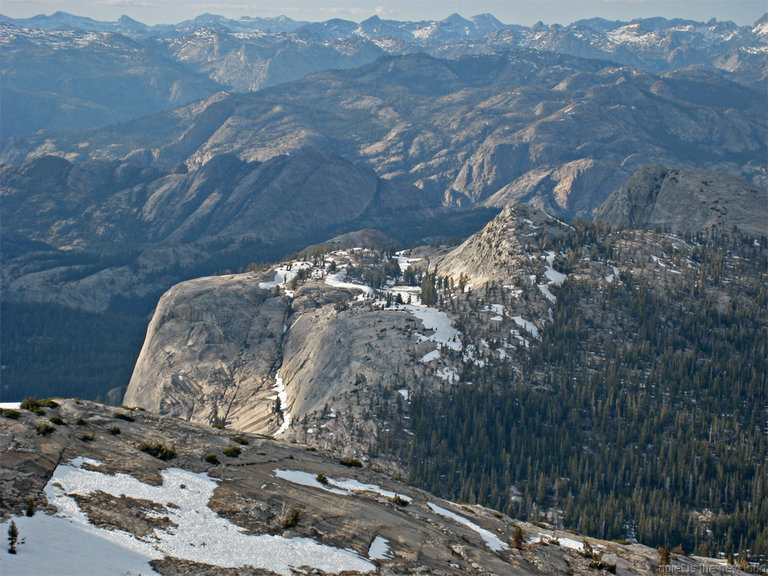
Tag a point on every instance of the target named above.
point(291, 491)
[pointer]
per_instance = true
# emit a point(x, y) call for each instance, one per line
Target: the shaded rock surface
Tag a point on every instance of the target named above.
point(687, 200)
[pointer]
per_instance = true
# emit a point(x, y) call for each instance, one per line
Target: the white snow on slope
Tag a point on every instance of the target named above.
point(337, 281)
point(59, 545)
point(67, 543)
point(491, 540)
point(615, 276)
point(434, 355)
point(343, 487)
point(497, 309)
point(353, 485)
point(570, 543)
point(563, 541)
point(523, 341)
point(544, 289)
point(433, 319)
point(529, 326)
point(305, 479)
point(448, 374)
point(553, 275)
point(404, 261)
point(285, 274)
point(379, 549)
point(282, 394)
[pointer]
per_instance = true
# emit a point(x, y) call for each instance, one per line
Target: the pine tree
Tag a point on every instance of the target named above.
point(13, 536)
point(428, 290)
point(517, 537)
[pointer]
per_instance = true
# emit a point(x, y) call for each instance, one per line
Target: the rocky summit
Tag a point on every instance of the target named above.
point(112, 490)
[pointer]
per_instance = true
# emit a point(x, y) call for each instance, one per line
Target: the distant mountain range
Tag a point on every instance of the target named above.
point(77, 73)
point(559, 131)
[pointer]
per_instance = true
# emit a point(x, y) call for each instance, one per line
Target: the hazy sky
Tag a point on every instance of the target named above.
point(526, 12)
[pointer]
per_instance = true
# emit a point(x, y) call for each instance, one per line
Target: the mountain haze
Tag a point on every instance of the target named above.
point(118, 64)
point(522, 126)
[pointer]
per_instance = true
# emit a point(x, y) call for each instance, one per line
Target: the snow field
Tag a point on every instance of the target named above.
point(343, 487)
point(491, 540)
point(563, 541)
point(282, 394)
point(337, 281)
point(438, 321)
point(379, 549)
point(529, 326)
point(67, 543)
point(553, 277)
point(404, 262)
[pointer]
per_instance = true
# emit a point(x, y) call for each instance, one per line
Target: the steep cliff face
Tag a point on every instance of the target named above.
point(249, 352)
point(330, 355)
point(687, 200)
point(211, 354)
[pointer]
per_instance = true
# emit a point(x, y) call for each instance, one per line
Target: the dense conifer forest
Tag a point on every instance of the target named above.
point(50, 350)
point(642, 414)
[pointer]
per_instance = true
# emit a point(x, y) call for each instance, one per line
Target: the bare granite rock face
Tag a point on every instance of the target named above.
point(212, 350)
point(687, 200)
point(271, 490)
point(345, 361)
point(499, 250)
point(220, 350)
point(305, 355)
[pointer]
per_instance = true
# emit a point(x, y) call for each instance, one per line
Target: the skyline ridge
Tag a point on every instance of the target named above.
point(521, 12)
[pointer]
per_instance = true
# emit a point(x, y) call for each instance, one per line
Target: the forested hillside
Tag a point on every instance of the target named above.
point(642, 413)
